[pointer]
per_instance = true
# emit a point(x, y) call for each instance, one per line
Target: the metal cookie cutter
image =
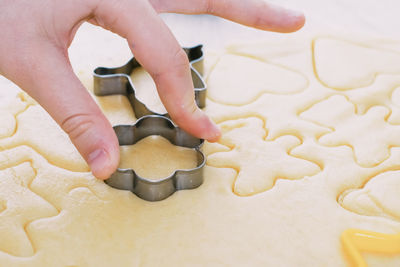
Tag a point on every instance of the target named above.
point(155, 190)
point(111, 81)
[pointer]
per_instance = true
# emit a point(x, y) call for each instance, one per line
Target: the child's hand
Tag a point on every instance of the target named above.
point(35, 36)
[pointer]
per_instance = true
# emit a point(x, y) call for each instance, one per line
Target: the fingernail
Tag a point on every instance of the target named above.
point(98, 160)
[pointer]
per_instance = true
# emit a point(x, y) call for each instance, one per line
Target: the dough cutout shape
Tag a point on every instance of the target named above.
point(396, 96)
point(56, 147)
point(383, 92)
point(379, 197)
point(245, 79)
point(369, 134)
point(345, 65)
point(21, 206)
point(259, 163)
point(283, 119)
point(10, 108)
point(380, 93)
point(32, 191)
point(340, 169)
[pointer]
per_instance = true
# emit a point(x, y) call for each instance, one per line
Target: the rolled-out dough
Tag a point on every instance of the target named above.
point(308, 151)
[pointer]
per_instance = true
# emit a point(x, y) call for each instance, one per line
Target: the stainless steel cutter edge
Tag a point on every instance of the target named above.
point(156, 190)
point(111, 81)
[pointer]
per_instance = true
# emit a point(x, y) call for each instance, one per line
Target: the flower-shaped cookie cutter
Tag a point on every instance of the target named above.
point(155, 190)
point(111, 81)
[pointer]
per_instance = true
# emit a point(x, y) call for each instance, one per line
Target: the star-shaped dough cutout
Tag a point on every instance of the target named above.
point(259, 163)
point(369, 134)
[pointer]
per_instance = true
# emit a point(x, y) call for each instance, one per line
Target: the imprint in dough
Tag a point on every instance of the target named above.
point(377, 94)
point(3, 205)
point(154, 157)
point(344, 65)
point(37, 129)
point(259, 163)
point(396, 96)
point(10, 108)
point(369, 134)
point(23, 206)
point(379, 197)
point(239, 80)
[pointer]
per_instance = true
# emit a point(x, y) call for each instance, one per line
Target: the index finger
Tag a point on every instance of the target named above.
point(159, 53)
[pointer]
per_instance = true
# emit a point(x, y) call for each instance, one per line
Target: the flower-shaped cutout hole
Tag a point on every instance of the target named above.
point(164, 186)
point(155, 157)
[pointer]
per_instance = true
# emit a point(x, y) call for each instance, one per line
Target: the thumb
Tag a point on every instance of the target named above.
point(48, 77)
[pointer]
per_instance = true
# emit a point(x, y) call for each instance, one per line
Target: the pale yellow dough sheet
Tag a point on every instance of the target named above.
point(310, 148)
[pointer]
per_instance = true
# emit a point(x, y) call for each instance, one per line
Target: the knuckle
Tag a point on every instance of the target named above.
point(78, 125)
point(104, 13)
